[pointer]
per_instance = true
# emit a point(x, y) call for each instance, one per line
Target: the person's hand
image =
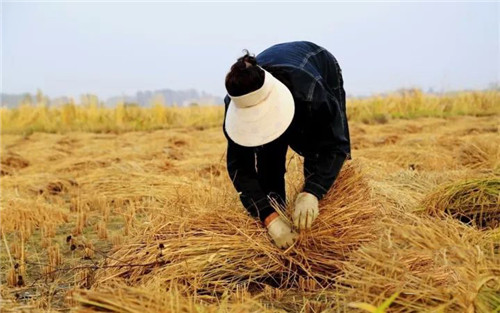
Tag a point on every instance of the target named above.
point(281, 233)
point(306, 210)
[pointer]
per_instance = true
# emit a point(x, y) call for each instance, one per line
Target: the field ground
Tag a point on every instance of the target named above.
point(75, 205)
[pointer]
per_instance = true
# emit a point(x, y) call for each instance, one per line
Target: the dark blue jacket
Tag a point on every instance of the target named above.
point(319, 130)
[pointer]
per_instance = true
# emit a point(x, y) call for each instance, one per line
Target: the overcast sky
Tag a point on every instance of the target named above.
point(114, 48)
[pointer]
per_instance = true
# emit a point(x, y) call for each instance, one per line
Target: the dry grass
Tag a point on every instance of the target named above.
point(28, 119)
point(473, 201)
point(175, 298)
point(435, 265)
point(480, 152)
point(149, 222)
point(193, 247)
point(141, 299)
point(94, 117)
point(414, 103)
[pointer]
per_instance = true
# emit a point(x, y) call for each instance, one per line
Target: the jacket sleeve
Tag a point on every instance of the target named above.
point(321, 171)
point(242, 172)
point(322, 166)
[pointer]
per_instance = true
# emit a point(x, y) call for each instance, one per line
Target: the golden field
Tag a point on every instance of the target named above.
point(131, 210)
point(93, 117)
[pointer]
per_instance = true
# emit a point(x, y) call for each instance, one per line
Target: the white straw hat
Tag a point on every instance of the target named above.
point(260, 116)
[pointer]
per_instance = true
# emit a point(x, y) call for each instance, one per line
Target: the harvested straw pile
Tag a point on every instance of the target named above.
point(11, 162)
point(222, 248)
point(475, 201)
point(435, 265)
point(480, 152)
point(175, 299)
point(155, 297)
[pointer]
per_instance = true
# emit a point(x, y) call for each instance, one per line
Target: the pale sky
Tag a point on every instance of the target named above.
point(114, 48)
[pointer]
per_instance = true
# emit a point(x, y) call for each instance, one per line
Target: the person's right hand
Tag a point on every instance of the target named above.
point(281, 233)
point(306, 210)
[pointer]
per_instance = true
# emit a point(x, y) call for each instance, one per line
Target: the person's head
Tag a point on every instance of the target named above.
point(261, 107)
point(245, 76)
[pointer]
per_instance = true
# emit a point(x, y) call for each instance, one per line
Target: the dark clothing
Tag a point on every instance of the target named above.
point(319, 131)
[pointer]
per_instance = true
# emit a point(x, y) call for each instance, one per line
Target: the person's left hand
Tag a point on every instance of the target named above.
point(306, 210)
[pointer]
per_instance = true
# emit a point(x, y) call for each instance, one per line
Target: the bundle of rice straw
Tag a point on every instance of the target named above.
point(480, 152)
point(435, 265)
point(475, 201)
point(224, 248)
point(155, 299)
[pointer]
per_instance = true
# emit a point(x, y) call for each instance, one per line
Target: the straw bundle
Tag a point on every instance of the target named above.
point(435, 265)
point(223, 248)
point(480, 152)
point(475, 201)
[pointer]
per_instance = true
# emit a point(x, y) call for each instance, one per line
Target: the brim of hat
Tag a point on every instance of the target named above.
point(264, 122)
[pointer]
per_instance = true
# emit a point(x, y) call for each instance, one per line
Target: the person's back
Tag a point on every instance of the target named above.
point(309, 62)
point(314, 78)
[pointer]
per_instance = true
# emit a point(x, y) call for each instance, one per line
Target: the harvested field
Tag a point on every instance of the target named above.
point(148, 221)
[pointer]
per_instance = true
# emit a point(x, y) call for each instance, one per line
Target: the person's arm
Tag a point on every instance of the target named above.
point(241, 169)
point(332, 143)
point(242, 172)
point(321, 171)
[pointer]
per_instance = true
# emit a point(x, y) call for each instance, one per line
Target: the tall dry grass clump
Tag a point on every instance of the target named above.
point(27, 119)
point(414, 103)
point(222, 249)
point(475, 201)
point(27, 215)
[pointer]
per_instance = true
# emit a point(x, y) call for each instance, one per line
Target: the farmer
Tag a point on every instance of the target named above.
point(291, 94)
